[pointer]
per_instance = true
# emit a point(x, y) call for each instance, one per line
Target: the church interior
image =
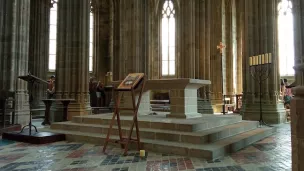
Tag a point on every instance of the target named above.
point(151, 85)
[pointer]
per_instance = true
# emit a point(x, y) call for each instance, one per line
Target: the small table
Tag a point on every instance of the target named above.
point(48, 104)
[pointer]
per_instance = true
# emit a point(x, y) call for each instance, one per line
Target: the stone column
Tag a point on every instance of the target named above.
point(203, 27)
point(298, 13)
point(297, 103)
point(297, 134)
point(187, 50)
point(39, 47)
point(240, 44)
point(132, 33)
point(101, 39)
point(262, 38)
point(72, 62)
point(215, 56)
point(14, 47)
point(228, 51)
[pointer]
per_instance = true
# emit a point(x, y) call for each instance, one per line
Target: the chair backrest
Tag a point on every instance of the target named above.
point(7, 105)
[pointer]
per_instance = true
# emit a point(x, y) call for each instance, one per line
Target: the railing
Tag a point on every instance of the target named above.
point(233, 103)
point(160, 105)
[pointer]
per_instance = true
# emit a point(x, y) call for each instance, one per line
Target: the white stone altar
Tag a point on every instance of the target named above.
point(183, 96)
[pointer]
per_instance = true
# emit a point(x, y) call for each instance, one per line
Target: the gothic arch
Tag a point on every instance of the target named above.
point(159, 6)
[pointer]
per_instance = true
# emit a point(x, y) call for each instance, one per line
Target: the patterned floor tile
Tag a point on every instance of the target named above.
point(272, 153)
point(5, 142)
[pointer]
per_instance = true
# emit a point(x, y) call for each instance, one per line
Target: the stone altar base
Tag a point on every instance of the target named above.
point(207, 137)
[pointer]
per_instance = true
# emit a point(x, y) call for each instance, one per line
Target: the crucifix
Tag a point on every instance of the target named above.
point(221, 46)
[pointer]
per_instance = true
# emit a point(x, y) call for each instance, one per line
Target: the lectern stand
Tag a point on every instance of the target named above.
point(31, 79)
point(37, 137)
point(132, 82)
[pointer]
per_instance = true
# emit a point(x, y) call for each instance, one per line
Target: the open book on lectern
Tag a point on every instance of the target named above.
point(131, 81)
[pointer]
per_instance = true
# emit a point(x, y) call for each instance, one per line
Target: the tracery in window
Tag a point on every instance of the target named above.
point(286, 38)
point(168, 38)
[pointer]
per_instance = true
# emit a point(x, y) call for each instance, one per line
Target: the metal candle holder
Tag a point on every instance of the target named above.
point(260, 66)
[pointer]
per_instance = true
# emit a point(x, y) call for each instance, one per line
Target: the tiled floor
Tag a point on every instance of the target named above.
point(270, 154)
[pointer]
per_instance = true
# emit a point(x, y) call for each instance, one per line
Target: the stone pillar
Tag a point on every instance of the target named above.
point(215, 56)
point(72, 62)
point(101, 39)
point(187, 50)
point(39, 47)
point(297, 134)
point(297, 102)
point(240, 44)
point(228, 51)
point(132, 55)
point(204, 102)
point(262, 38)
point(298, 13)
point(14, 47)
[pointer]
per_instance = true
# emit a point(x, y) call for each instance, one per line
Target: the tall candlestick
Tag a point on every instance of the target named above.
point(260, 59)
point(256, 60)
point(266, 58)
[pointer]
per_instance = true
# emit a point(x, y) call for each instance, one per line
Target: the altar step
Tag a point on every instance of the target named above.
point(208, 151)
point(160, 122)
point(199, 137)
point(207, 137)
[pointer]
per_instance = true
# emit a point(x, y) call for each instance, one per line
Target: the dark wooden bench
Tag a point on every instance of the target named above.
point(7, 109)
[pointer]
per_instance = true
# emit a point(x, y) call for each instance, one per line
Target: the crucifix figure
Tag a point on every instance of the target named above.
point(221, 47)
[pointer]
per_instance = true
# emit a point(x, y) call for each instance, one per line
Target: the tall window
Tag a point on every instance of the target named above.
point(53, 36)
point(53, 39)
point(286, 38)
point(91, 44)
point(168, 39)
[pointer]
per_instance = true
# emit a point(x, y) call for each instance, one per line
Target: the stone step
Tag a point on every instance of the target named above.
point(184, 125)
point(199, 137)
point(208, 151)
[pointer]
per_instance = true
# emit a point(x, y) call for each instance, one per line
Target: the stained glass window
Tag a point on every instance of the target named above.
point(286, 38)
point(168, 38)
point(53, 39)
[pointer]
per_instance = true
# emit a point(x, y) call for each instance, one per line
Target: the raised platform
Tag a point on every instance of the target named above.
point(207, 137)
point(10, 128)
point(35, 138)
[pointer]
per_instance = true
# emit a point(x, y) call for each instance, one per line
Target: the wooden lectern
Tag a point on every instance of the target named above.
point(31, 79)
point(129, 84)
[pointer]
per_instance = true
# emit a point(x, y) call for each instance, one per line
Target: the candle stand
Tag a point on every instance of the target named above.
point(260, 68)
